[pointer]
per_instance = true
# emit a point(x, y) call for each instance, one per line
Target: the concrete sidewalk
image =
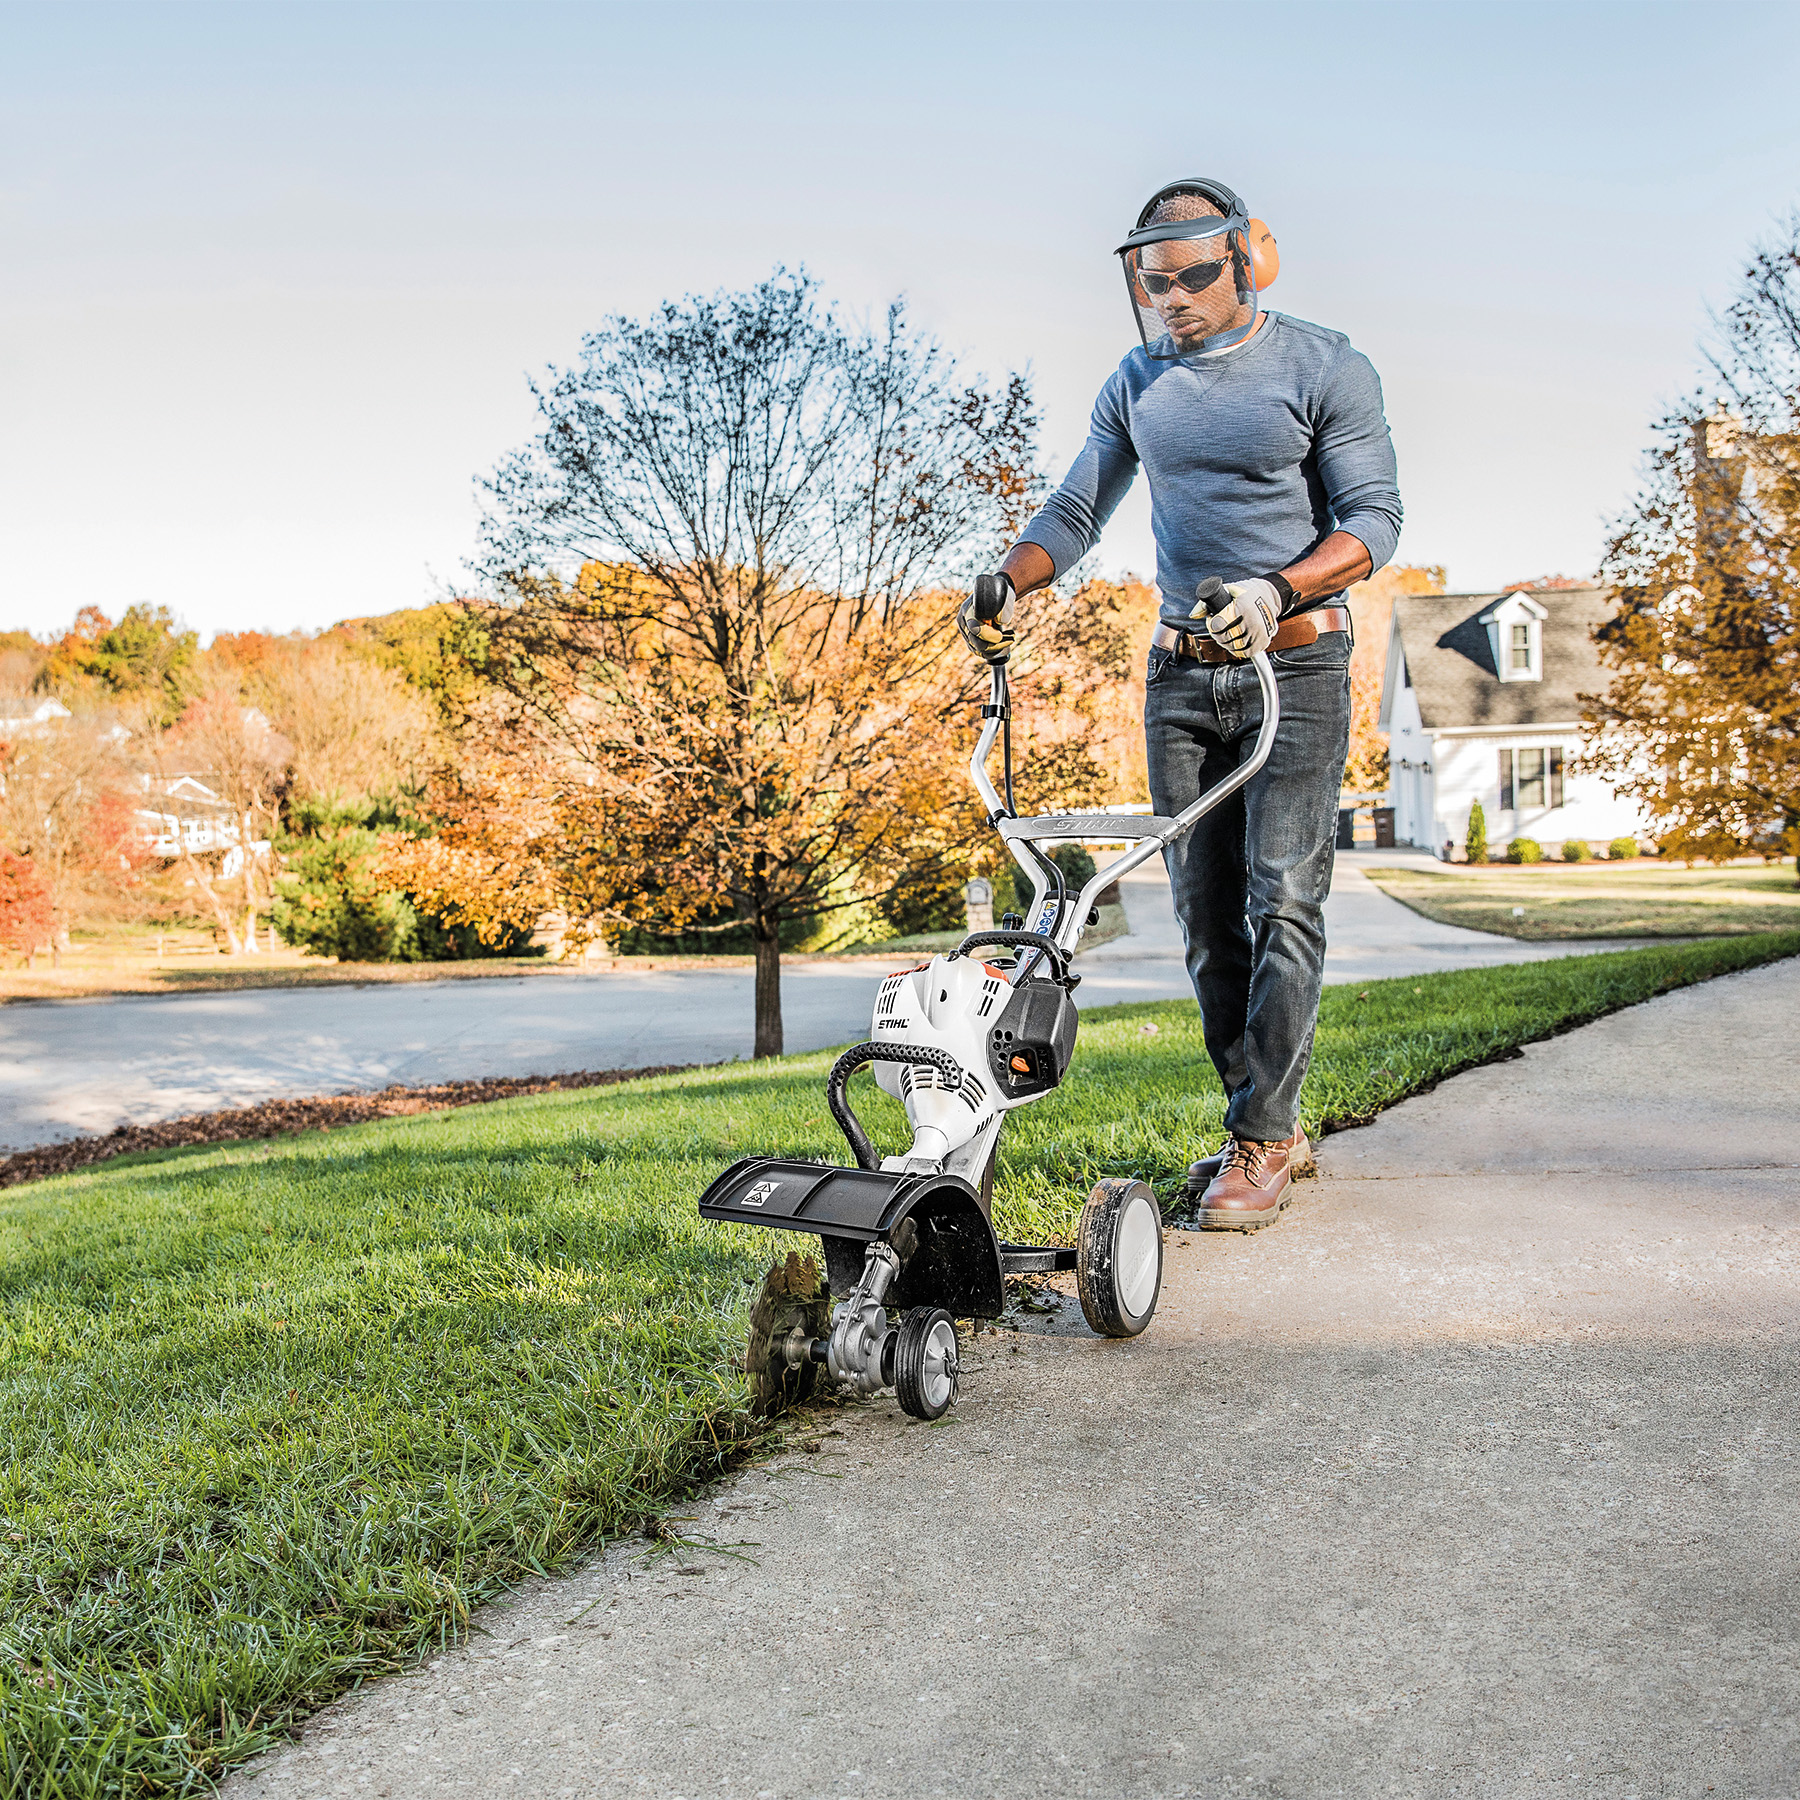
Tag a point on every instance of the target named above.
point(1475, 1476)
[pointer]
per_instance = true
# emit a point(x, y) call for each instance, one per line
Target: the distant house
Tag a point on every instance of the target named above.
point(18, 717)
point(185, 814)
point(1479, 701)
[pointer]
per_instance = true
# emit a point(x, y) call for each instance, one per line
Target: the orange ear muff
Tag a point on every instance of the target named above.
point(1265, 259)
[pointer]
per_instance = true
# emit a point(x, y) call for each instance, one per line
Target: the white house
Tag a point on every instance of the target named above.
point(20, 716)
point(1480, 702)
point(189, 815)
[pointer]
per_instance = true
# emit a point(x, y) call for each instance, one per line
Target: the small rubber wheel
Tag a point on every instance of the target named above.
point(793, 1293)
point(926, 1363)
point(1118, 1258)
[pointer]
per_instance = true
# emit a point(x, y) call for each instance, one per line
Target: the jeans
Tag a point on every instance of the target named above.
point(1250, 879)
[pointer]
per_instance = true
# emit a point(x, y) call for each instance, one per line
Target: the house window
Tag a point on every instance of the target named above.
point(1528, 777)
point(1521, 648)
point(1531, 778)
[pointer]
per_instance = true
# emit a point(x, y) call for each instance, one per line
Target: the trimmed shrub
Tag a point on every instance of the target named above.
point(927, 897)
point(1622, 850)
point(1576, 850)
point(329, 901)
point(1524, 850)
point(1475, 844)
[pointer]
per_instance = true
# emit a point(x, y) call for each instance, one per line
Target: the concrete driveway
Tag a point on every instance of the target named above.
point(75, 1067)
point(1475, 1476)
point(1368, 938)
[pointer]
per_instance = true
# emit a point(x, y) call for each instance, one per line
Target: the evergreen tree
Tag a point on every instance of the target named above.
point(1475, 845)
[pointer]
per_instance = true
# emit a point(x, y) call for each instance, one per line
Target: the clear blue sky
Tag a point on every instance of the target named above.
point(272, 277)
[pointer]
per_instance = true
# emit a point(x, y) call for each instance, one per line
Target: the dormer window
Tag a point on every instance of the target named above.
point(1515, 629)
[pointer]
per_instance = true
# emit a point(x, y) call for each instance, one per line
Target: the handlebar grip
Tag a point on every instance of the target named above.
point(990, 596)
point(1206, 594)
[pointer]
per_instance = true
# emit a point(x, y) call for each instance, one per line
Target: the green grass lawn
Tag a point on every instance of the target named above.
point(280, 1415)
point(1601, 899)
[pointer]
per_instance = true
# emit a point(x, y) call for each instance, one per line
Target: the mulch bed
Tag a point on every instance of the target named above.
point(283, 1118)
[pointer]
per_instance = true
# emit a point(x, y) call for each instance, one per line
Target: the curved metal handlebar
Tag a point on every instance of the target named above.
point(1068, 926)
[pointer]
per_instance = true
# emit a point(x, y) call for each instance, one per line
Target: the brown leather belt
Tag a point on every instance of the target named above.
point(1302, 628)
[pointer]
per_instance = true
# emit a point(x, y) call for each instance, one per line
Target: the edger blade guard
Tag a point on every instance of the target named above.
point(950, 1258)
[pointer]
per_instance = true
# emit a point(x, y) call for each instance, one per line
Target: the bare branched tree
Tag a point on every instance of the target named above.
point(353, 730)
point(717, 599)
point(231, 746)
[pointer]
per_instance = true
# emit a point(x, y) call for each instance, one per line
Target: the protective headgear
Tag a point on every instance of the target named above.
point(1194, 273)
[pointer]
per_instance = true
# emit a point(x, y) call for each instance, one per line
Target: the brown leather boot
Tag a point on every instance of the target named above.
point(1202, 1174)
point(1253, 1183)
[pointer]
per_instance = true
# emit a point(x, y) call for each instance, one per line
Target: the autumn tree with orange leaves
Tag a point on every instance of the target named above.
point(1700, 722)
point(67, 811)
point(718, 582)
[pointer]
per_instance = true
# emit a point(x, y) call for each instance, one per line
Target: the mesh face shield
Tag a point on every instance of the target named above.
point(1189, 271)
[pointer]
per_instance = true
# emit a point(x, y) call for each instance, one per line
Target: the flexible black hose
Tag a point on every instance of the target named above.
point(852, 1060)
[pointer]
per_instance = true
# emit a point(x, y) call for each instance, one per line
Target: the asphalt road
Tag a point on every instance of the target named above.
point(1475, 1476)
point(69, 1068)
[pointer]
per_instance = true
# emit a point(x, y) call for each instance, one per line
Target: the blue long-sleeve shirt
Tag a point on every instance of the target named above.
point(1254, 458)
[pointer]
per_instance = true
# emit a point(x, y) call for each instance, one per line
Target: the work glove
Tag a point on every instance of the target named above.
point(1241, 616)
point(985, 619)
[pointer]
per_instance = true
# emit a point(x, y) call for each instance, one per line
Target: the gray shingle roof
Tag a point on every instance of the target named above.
point(1452, 665)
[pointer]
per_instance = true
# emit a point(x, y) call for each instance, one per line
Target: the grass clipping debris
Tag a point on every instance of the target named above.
point(282, 1414)
point(283, 1118)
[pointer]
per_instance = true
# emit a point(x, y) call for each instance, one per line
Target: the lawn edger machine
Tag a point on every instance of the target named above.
point(962, 1042)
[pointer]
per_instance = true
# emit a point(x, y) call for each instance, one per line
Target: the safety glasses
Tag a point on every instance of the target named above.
point(1195, 278)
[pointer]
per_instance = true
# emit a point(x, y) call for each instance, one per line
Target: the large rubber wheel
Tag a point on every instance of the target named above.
point(1118, 1258)
point(927, 1364)
point(793, 1293)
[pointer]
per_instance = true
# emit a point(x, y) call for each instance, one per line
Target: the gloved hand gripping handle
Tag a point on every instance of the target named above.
point(991, 594)
point(1209, 596)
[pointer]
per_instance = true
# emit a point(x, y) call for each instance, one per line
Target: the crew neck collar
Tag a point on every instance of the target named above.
point(1216, 358)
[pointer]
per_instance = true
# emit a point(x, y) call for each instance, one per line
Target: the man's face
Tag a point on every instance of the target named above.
point(1199, 306)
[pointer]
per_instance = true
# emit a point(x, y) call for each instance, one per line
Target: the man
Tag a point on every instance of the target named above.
point(1272, 486)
